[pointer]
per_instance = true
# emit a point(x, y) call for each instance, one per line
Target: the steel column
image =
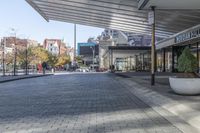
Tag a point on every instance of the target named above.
point(74, 42)
point(198, 56)
point(164, 65)
point(153, 50)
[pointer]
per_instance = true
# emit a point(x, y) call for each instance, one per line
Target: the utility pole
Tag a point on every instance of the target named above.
point(153, 53)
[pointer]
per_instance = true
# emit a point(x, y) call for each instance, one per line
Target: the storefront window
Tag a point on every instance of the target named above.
point(168, 60)
point(121, 64)
point(193, 49)
point(198, 58)
point(147, 62)
point(159, 61)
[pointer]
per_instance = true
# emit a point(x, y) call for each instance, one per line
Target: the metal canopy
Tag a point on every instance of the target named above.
point(115, 14)
point(170, 4)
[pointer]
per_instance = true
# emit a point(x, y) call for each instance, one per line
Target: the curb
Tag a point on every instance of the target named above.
point(28, 77)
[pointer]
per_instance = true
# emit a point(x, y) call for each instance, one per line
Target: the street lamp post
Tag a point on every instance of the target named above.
point(26, 59)
point(15, 51)
point(15, 56)
point(93, 54)
point(3, 56)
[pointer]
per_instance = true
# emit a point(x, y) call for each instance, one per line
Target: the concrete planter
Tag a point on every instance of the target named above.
point(185, 86)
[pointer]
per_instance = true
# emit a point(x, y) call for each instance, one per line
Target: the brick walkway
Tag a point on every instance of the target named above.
point(89, 103)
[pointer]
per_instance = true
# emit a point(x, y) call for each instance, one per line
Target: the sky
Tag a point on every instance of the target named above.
point(17, 14)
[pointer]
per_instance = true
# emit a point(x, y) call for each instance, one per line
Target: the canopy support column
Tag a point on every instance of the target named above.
point(153, 51)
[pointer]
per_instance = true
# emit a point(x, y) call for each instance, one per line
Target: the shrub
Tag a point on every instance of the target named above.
point(187, 62)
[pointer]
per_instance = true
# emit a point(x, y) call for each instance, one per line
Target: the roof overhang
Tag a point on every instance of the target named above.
point(115, 14)
point(188, 36)
point(169, 4)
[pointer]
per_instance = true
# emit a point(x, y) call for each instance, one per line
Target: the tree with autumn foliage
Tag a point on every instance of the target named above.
point(9, 58)
point(63, 60)
point(53, 59)
point(21, 57)
point(39, 55)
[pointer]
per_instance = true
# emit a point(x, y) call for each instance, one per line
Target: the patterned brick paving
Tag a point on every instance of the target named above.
point(87, 103)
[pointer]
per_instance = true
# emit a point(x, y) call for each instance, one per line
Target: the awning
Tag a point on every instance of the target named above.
point(115, 14)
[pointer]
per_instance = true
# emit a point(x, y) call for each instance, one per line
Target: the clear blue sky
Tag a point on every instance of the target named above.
point(29, 24)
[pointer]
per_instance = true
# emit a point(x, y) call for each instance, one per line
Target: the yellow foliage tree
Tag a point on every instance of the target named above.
point(53, 59)
point(39, 55)
point(21, 57)
point(63, 60)
point(9, 58)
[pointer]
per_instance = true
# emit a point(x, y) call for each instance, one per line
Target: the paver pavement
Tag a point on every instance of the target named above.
point(79, 103)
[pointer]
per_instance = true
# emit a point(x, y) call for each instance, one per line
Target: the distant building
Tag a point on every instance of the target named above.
point(55, 46)
point(10, 43)
point(126, 51)
point(32, 43)
point(85, 50)
point(70, 52)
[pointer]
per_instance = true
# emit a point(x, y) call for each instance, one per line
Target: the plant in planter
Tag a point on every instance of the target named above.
point(187, 64)
point(187, 82)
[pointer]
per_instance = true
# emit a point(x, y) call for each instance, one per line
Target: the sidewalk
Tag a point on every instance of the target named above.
point(162, 99)
point(4, 79)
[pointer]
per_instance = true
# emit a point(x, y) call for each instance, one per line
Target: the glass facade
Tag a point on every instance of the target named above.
point(159, 61)
point(139, 62)
point(167, 58)
point(144, 62)
point(167, 64)
point(125, 64)
point(120, 64)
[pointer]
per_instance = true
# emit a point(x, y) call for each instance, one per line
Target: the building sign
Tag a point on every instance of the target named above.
point(139, 40)
point(187, 35)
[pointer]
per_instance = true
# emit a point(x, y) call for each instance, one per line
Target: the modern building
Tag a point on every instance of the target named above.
point(55, 46)
point(126, 51)
point(169, 50)
point(89, 52)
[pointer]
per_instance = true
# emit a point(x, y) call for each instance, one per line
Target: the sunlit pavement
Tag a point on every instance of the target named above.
point(67, 73)
point(76, 103)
